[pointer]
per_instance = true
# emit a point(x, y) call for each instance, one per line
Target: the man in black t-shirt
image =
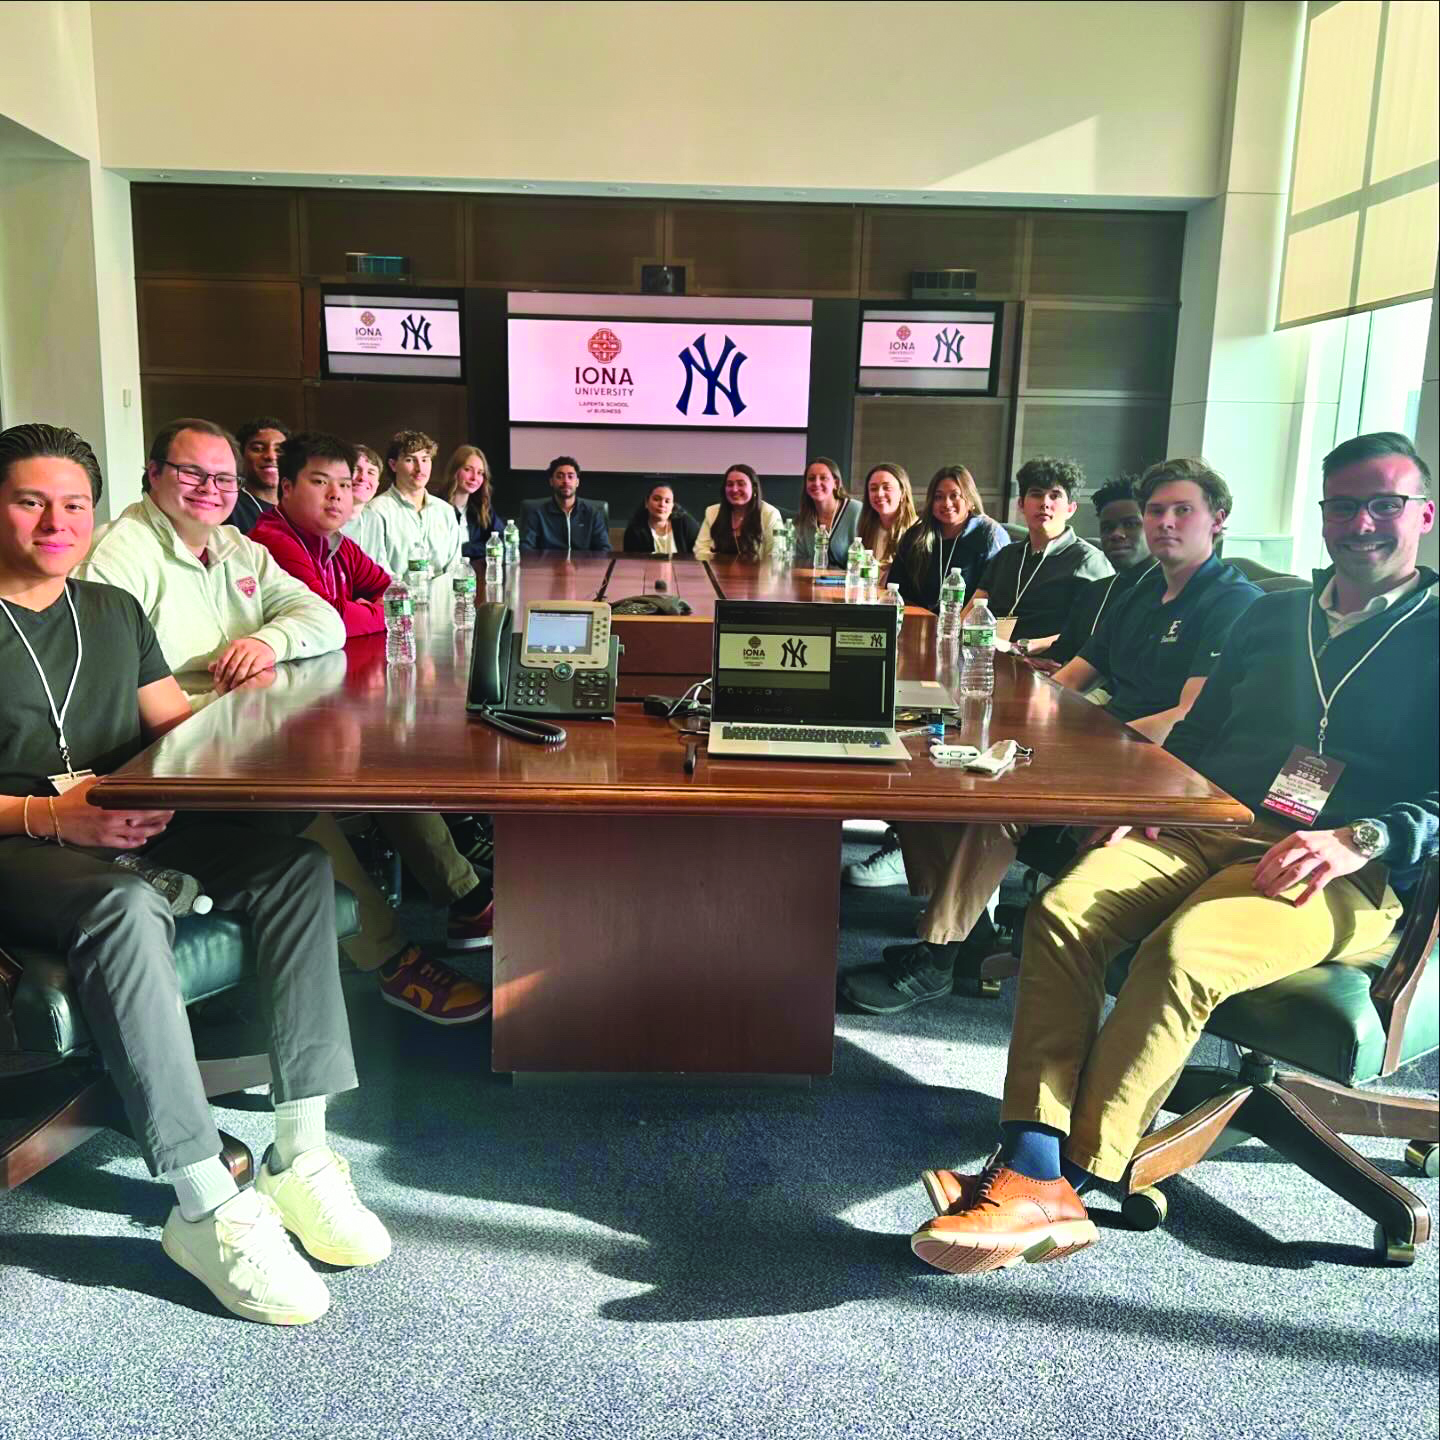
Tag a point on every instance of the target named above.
point(86, 688)
point(260, 442)
point(1029, 585)
point(1122, 542)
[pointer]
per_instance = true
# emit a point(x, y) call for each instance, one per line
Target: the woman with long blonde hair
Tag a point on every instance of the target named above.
point(466, 485)
point(888, 510)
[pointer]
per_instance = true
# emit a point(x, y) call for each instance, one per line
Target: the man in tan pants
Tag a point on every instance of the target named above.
point(1158, 644)
point(1320, 717)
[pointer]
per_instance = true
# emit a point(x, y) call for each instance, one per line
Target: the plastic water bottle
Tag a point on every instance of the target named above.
point(820, 559)
point(399, 624)
point(494, 564)
point(463, 586)
point(952, 603)
point(512, 545)
point(182, 892)
point(892, 597)
point(977, 653)
point(417, 578)
point(854, 558)
point(869, 576)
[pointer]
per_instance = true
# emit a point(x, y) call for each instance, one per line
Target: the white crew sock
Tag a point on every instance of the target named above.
point(201, 1188)
point(299, 1126)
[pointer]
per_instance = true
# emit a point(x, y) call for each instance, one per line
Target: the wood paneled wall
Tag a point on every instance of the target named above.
point(228, 286)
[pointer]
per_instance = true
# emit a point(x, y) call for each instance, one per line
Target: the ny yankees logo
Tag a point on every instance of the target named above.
point(792, 654)
point(947, 347)
point(711, 375)
point(416, 331)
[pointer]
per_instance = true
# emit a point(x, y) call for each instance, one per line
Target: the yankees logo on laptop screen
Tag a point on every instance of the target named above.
point(804, 663)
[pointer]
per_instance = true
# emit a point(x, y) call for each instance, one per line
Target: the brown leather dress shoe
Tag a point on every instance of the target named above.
point(949, 1190)
point(1009, 1218)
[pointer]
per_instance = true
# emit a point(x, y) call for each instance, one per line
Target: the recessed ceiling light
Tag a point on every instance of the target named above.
point(527, 187)
point(257, 177)
point(162, 174)
point(339, 181)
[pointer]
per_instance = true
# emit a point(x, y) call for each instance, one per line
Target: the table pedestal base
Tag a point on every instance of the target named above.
point(665, 944)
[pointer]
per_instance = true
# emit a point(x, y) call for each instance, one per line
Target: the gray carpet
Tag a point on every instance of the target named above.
point(647, 1261)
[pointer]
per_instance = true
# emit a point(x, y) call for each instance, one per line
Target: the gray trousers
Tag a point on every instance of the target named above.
point(117, 934)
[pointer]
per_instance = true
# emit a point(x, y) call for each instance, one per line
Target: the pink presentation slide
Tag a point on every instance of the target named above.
point(925, 345)
point(675, 373)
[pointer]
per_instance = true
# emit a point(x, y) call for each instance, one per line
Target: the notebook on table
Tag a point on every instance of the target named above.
point(794, 680)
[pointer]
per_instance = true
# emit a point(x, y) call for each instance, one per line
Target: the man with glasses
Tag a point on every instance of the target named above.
point(259, 441)
point(1320, 717)
point(223, 608)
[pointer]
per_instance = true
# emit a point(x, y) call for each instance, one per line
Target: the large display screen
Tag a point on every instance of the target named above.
point(406, 337)
point(953, 351)
point(671, 374)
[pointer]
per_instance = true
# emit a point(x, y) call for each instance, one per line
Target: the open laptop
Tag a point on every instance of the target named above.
point(799, 681)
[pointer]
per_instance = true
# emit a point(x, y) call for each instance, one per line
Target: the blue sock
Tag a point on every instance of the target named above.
point(1080, 1180)
point(1033, 1150)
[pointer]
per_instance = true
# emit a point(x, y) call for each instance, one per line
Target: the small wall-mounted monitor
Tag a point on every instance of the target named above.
point(411, 336)
point(933, 350)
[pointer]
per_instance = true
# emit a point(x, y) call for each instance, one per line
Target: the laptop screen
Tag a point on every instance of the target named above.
point(800, 663)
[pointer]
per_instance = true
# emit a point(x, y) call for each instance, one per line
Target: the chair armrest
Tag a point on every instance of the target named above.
point(1394, 987)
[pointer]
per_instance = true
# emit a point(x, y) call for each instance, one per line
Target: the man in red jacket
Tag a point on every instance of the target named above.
point(303, 534)
point(303, 531)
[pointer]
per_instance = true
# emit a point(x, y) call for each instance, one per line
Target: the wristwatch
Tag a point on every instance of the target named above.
point(1370, 838)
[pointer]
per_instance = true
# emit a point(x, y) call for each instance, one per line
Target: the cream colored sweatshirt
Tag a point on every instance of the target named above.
point(197, 609)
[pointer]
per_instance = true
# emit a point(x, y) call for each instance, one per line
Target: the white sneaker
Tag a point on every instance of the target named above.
point(243, 1257)
point(318, 1204)
point(885, 867)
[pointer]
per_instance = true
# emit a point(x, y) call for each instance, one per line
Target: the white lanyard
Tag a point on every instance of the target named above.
point(58, 716)
point(1021, 589)
point(940, 556)
point(1106, 600)
point(1326, 701)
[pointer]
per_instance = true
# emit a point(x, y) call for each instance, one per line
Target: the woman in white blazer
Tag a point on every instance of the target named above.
point(742, 523)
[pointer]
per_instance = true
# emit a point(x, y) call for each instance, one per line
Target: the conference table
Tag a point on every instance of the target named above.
point(648, 919)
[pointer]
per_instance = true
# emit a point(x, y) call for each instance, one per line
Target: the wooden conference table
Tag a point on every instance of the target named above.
point(647, 920)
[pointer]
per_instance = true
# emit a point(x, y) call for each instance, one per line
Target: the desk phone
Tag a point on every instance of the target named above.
point(565, 664)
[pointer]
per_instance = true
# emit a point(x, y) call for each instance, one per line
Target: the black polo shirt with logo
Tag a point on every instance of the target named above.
point(1148, 649)
point(1042, 587)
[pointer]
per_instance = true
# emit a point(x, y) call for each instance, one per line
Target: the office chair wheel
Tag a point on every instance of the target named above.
point(1392, 1250)
point(1423, 1156)
point(1145, 1209)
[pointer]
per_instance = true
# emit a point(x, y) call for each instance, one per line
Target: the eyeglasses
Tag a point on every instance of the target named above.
point(192, 477)
point(1381, 507)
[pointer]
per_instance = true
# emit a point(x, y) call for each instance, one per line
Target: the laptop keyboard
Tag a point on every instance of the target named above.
point(806, 734)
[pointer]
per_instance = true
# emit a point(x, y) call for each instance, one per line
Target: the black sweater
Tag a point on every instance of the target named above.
point(969, 553)
point(1260, 702)
point(639, 540)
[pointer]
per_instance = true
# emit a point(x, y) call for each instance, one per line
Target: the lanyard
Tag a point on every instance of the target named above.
point(58, 716)
point(1021, 589)
point(940, 556)
point(1106, 600)
point(1326, 701)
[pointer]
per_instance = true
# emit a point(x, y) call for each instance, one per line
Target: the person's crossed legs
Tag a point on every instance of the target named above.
point(1079, 1095)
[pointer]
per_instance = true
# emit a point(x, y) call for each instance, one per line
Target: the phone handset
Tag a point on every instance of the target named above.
point(490, 665)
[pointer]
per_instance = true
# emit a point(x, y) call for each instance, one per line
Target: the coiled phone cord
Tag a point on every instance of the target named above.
point(522, 727)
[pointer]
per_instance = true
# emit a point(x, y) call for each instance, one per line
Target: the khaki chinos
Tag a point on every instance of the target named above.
point(1204, 933)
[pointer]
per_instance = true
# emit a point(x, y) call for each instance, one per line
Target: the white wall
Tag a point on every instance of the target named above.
point(69, 353)
point(1117, 99)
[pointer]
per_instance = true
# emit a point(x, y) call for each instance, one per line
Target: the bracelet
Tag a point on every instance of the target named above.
point(25, 818)
point(55, 821)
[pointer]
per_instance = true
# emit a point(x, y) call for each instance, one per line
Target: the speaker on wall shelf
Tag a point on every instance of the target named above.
point(361, 265)
point(942, 284)
point(662, 279)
